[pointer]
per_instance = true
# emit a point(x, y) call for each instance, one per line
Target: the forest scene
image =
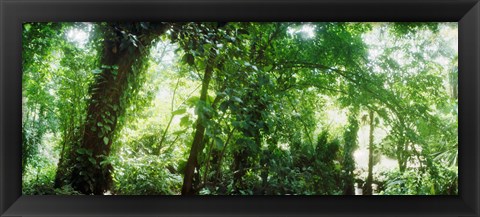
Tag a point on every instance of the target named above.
point(239, 108)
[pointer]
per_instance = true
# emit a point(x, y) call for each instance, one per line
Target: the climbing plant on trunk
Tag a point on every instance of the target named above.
point(123, 51)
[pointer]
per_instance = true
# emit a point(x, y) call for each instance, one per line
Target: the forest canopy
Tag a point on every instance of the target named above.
point(240, 108)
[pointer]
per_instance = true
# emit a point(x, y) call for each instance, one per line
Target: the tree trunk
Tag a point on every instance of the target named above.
point(402, 162)
point(368, 183)
point(187, 188)
point(121, 61)
point(402, 155)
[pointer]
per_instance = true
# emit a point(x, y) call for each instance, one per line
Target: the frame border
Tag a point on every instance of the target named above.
point(13, 13)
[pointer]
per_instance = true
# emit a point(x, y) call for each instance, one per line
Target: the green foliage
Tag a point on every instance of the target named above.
point(147, 175)
point(39, 181)
point(273, 108)
point(418, 182)
point(403, 28)
point(327, 170)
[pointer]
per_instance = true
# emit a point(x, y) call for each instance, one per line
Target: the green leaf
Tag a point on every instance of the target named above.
point(210, 99)
point(267, 68)
point(105, 140)
point(27, 26)
point(185, 120)
point(92, 160)
point(81, 151)
point(236, 99)
point(106, 161)
point(193, 100)
point(219, 142)
point(99, 124)
point(179, 111)
point(179, 132)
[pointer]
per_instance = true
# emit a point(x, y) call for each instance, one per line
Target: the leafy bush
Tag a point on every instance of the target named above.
point(420, 182)
point(39, 180)
point(146, 175)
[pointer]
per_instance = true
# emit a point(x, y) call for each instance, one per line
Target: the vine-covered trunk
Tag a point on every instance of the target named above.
point(368, 184)
point(102, 116)
point(120, 64)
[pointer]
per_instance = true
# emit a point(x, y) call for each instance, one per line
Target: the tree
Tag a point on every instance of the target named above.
point(123, 50)
point(368, 184)
point(350, 141)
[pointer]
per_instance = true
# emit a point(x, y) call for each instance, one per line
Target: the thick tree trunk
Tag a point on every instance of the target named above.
point(192, 163)
point(368, 183)
point(121, 61)
point(102, 116)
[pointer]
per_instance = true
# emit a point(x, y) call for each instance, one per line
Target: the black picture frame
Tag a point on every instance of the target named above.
point(14, 12)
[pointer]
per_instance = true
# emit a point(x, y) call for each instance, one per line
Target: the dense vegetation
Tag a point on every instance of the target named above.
point(240, 108)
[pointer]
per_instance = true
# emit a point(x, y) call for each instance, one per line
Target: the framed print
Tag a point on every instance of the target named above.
point(245, 108)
